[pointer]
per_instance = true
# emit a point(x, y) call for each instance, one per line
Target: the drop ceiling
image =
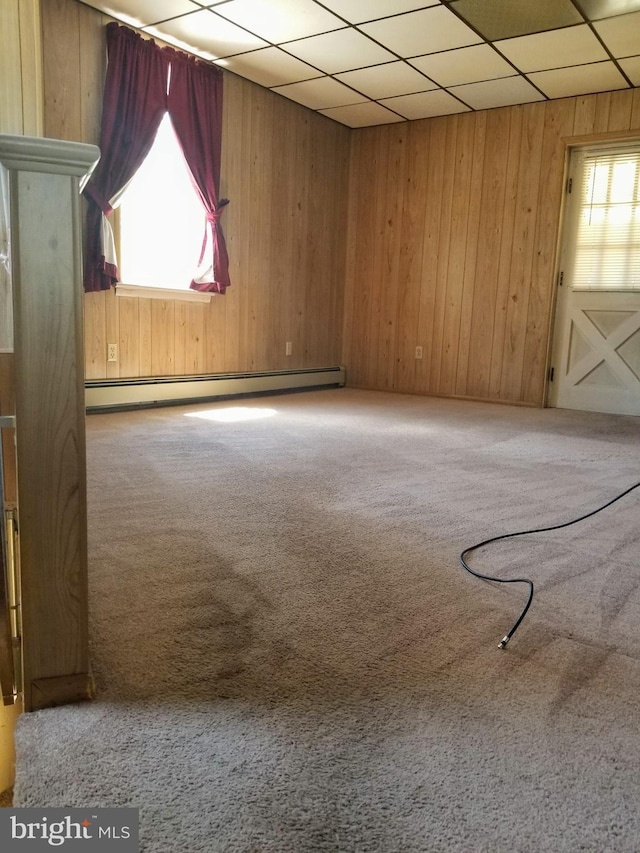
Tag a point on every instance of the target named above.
point(371, 62)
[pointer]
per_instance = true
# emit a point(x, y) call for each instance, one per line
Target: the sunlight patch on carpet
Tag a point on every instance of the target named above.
point(233, 414)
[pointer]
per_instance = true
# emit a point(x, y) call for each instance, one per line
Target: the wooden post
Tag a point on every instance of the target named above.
point(44, 203)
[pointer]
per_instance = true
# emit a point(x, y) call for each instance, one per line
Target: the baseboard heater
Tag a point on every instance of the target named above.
point(107, 394)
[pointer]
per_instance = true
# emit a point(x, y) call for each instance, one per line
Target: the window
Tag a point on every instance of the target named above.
point(144, 84)
point(160, 208)
point(608, 222)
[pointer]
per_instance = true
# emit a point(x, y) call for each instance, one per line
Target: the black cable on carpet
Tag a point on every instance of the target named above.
point(527, 581)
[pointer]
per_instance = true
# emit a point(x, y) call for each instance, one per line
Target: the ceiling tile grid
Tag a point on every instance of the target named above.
point(369, 62)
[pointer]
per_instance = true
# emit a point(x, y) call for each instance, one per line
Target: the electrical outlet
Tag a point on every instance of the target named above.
point(418, 352)
point(288, 348)
point(112, 352)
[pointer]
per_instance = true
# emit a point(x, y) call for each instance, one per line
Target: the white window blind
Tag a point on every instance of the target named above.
point(608, 229)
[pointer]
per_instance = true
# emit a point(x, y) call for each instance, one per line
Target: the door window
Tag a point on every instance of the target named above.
point(607, 242)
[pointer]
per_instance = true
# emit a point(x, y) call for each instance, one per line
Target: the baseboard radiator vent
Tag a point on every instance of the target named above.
point(101, 395)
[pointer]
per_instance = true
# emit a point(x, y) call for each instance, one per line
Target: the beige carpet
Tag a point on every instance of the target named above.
point(290, 657)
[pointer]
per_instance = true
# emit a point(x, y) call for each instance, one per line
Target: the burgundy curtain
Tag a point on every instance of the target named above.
point(195, 107)
point(135, 99)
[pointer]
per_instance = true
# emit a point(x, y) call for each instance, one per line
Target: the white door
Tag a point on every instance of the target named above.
point(596, 348)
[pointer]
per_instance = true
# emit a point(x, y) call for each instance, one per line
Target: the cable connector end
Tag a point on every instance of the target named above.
point(503, 642)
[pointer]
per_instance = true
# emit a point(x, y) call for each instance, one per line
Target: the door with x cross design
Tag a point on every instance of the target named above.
point(596, 352)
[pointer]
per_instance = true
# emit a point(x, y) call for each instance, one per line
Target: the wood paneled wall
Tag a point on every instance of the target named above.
point(285, 171)
point(21, 102)
point(453, 225)
point(449, 235)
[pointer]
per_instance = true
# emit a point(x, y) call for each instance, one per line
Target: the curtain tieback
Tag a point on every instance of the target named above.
point(212, 218)
point(214, 215)
point(98, 199)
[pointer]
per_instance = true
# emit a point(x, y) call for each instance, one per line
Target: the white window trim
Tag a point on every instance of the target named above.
point(141, 290)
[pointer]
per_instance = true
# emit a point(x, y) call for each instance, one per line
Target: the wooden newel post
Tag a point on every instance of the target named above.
point(40, 183)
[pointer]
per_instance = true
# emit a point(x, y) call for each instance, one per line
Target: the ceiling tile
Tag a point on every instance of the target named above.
point(621, 35)
point(631, 68)
point(270, 67)
point(425, 104)
point(319, 94)
point(342, 50)
point(280, 20)
point(208, 32)
point(497, 93)
point(580, 80)
point(362, 115)
point(384, 81)
point(501, 19)
point(555, 49)
point(290, 45)
point(357, 11)
point(465, 65)
point(141, 12)
point(595, 9)
point(417, 33)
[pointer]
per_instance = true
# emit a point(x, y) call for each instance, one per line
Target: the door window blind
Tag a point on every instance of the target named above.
point(608, 228)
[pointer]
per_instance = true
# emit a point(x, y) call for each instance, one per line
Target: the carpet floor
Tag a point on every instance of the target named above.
point(290, 659)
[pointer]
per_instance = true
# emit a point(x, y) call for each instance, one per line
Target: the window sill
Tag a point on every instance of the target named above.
point(161, 293)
